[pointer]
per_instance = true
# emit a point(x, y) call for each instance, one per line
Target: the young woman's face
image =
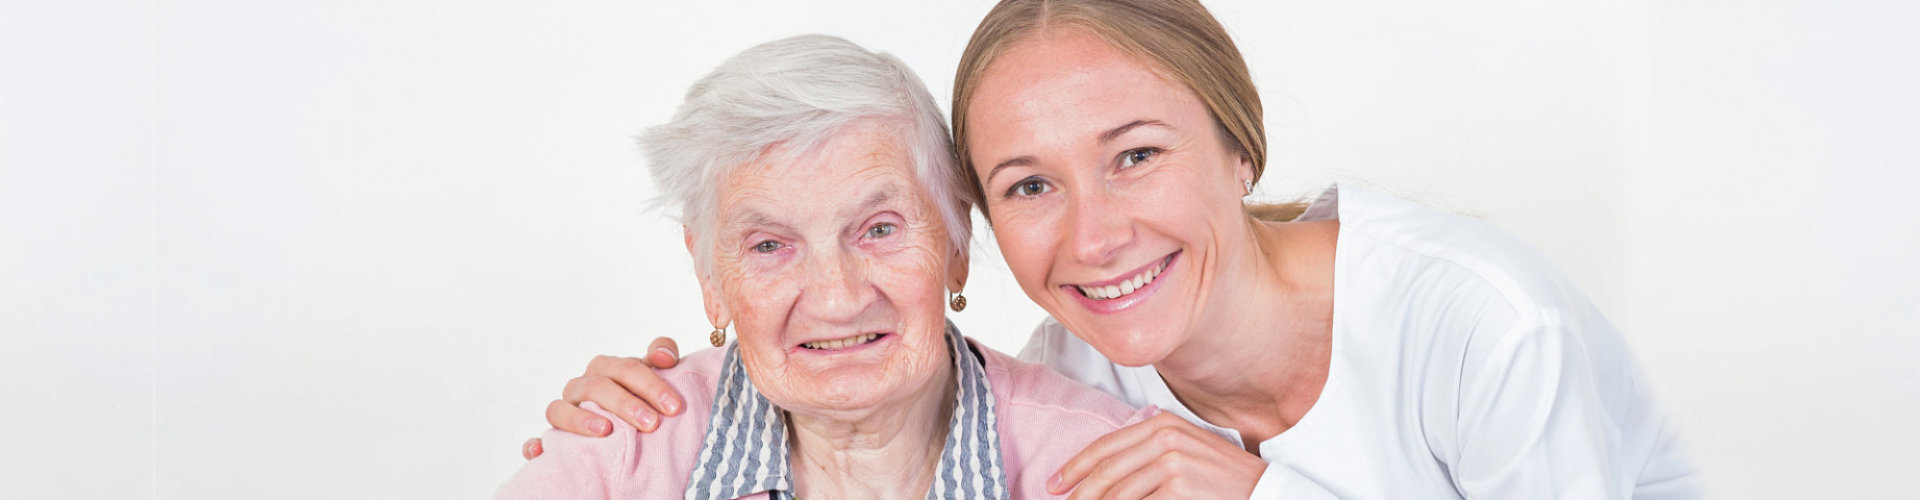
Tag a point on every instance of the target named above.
point(1111, 192)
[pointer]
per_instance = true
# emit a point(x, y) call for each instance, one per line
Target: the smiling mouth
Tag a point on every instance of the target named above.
point(837, 344)
point(1126, 286)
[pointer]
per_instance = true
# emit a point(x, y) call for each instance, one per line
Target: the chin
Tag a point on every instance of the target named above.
point(847, 389)
point(1134, 346)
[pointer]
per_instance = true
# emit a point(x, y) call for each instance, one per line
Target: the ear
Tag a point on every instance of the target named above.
point(1243, 169)
point(710, 296)
point(957, 271)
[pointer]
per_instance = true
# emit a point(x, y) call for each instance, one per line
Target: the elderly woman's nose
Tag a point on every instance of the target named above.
point(836, 287)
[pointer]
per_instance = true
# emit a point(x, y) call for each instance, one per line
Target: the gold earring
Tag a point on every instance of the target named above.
point(719, 337)
point(958, 302)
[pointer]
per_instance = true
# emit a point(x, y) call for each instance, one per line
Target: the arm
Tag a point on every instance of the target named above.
point(1162, 456)
point(1532, 423)
point(1280, 481)
point(628, 386)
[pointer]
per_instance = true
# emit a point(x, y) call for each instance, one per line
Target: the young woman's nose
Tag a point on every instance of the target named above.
point(1096, 227)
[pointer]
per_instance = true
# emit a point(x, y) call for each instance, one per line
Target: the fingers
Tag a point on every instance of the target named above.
point(1116, 442)
point(564, 416)
point(1164, 456)
point(1101, 482)
point(663, 353)
point(613, 397)
point(1136, 484)
point(637, 380)
point(531, 449)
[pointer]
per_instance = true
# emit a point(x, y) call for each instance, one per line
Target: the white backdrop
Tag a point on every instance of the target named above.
point(350, 249)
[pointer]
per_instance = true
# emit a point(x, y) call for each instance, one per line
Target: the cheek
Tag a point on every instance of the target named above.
point(1026, 243)
point(1182, 200)
point(759, 301)
point(911, 276)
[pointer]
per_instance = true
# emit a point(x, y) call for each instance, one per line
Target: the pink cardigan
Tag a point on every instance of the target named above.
point(1044, 419)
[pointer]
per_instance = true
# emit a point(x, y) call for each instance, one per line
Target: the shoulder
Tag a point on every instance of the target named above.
point(696, 373)
point(1421, 251)
point(627, 462)
point(695, 377)
point(1023, 384)
point(1045, 418)
point(1466, 298)
point(1066, 355)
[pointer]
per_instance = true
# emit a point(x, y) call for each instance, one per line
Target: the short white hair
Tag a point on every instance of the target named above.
point(796, 93)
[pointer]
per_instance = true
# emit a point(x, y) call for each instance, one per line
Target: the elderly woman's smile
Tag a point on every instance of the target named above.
point(843, 344)
point(830, 259)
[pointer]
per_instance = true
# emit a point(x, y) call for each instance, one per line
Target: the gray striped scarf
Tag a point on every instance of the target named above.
point(746, 447)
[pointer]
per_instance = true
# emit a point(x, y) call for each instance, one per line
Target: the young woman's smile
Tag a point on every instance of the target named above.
point(1118, 294)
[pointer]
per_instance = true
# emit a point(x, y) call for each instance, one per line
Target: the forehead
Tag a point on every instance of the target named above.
point(855, 164)
point(1070, 73)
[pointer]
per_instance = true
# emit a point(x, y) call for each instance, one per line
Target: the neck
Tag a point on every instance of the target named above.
point(889, 452)
point(1260, 360)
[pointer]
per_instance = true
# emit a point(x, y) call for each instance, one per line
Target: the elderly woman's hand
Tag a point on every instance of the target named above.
point(627, 387)
point(1164, 457)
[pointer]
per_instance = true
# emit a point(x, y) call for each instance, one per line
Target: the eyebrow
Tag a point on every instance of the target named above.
point(885, 194)
point(1105, 137)
point(751, 218)
point(1110, 135)
point(1016, 162)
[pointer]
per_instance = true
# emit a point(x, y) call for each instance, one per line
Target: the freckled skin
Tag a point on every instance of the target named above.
point(832, 275)
point(1050, 98)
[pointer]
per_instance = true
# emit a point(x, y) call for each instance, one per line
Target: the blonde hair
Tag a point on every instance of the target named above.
point(1179, 38)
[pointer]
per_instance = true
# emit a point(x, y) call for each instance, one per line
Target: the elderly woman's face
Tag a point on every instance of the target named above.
point(833, 265)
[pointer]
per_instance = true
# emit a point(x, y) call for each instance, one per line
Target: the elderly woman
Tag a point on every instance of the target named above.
point(809, 175)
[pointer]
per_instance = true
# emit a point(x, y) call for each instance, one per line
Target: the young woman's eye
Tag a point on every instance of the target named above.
point(881, 230)
point(1135, 157)
point(768, 246)
point(1031, 186)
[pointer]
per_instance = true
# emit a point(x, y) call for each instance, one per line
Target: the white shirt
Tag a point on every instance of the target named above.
point(1465, 365)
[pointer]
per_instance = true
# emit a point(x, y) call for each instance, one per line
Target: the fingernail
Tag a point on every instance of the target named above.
point(1053, 484)
point(533, 448)
point(663, 350)
point(598, 426)
point(647, 419)
point(670, 403)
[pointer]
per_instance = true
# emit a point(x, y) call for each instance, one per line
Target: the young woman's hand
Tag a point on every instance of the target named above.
point(627, 387)
point(1163, 456)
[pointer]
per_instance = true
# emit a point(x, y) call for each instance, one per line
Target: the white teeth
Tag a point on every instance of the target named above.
point(1125, 287)
point(841, 343)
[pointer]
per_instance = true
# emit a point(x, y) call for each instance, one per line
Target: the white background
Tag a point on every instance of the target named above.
point(350, 249)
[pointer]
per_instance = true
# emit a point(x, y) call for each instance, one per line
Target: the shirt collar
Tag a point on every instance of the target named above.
point(746, 448)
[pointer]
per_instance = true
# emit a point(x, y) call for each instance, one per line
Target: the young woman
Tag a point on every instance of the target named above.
point(1366, 347)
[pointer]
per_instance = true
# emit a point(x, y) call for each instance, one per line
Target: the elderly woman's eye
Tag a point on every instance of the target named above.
point(1028, 187)
point(881, 230)
point(768, 246)
point(1135, 157)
